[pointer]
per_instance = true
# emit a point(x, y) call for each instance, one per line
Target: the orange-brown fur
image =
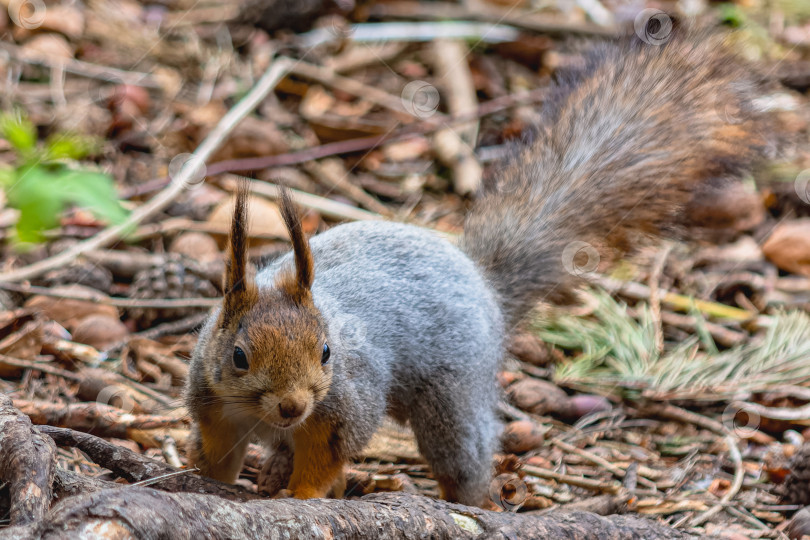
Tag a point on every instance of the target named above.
point(281, 332)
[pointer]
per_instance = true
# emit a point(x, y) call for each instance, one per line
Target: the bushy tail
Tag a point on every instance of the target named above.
point(626, 142)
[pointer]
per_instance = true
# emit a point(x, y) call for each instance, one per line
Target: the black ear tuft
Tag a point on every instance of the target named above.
point(240, 290)
point(304, 266)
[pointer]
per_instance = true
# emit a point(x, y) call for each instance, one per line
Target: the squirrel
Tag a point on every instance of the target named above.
point(373, 318)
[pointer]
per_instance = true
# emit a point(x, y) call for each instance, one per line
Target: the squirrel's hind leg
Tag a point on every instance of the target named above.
point(456, 430)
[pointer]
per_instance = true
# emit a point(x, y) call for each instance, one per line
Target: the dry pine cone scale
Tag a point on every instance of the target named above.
point(178, 278)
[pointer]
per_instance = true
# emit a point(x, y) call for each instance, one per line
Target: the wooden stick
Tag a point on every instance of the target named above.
point(681, 302)
point(275, 72)
point(158, 303)
point(587, 483)
point(326, 207)
point(78, 67)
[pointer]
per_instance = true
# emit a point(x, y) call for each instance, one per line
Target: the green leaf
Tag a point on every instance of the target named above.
point(38, 200)
point(69, 146)
point(95, 192)
point(41, 194)
point(8, 177)
point(19, 131)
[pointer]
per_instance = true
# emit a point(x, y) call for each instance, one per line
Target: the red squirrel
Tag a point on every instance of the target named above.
point(375, 318)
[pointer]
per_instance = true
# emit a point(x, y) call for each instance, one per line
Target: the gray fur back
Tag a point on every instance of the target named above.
point(406, 310)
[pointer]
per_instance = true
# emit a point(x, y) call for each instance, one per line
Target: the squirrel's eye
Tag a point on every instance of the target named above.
point(240, 360)
point(326, 354)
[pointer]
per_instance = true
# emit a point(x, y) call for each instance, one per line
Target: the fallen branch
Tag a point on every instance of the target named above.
point(326, 207)
point(134, 467)
point(27, 462)
point(275, 72)
point(148, 513)
point(69, 484)
point(93, 417)
point(416, 129)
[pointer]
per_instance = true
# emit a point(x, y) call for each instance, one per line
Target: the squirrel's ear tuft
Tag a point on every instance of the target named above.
point(239, 287)
point(300, 285)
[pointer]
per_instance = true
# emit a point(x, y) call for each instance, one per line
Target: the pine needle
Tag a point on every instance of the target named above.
point(617, 354)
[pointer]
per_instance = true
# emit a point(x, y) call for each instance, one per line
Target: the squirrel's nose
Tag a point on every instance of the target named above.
point(291, 408)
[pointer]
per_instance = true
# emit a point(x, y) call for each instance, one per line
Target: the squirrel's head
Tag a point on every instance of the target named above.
point(271, 358)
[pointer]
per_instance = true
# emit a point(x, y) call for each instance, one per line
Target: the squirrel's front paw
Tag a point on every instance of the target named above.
point(298, 494)
point(284, 494)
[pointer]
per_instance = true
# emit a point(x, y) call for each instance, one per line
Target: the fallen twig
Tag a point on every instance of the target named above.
point(134, 467)
point(455, 147)
point(682, 415)
point(148, 513)
point(326, 207)
point(275, 72)
point(587, 483)
point(100, 298)
point(78, 67)
point(27, 461)
point(96, 417)
point(39, 366)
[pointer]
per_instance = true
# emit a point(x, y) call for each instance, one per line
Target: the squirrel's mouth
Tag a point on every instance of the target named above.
point(285, 424)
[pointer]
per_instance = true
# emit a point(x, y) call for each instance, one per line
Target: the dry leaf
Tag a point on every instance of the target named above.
point(69, 312)
point(788, 246)
point(100, 331)
point(264, 217)
point(198, 246)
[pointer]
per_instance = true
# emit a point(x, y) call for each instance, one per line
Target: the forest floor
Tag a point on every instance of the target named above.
point(678, 389)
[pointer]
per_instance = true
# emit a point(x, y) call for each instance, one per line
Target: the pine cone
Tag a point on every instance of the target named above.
point(178, 278)
point(796, 489)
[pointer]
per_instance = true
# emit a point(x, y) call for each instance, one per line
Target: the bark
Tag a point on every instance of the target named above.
point(137, 512)
point(68, 484)
point(26, 464)
point(137, 468)
point(94, 417)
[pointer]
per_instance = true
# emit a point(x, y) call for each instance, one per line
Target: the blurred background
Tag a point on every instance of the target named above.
point(393, 110)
